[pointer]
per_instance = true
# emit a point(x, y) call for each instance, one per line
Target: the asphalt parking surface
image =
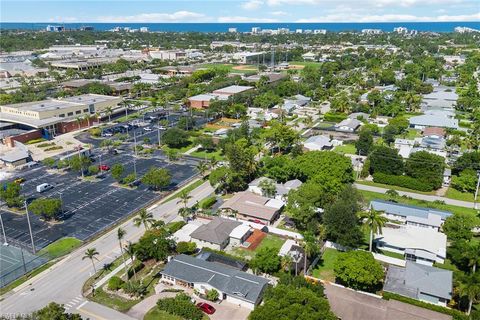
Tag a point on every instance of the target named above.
point(89, 206)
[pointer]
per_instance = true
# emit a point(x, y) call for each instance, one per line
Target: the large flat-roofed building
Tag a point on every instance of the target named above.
point(203, 100)
point(52, 115)
point(231, 90)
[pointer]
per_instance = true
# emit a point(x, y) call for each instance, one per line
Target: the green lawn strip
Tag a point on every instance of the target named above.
point(391, 254)
point(26, 277)
point(271, 241)
point(188, 189)
point(369, 195)
point(61, 247)
point(346, 149)
point(113, 301)
point(324, 268)
point(458, 195)
point(387, 186)
point(411, 134)
point(156, 314)
point(101, 272)
point(208, 155)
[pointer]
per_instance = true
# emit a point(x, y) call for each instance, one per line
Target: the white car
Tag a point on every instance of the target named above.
point(147, 129)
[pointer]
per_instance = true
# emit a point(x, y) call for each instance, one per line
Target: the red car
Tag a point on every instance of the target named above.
point(256, 221)
point(205, 307)
point(104, 167)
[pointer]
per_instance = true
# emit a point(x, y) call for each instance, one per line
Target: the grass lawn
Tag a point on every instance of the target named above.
point(368, 196)
point(156, 314)
point(458, 195)
point(61, 247)
point(26, 277)
point(325, 125)
point(305, 63)
point(411, 134)
point(188, 189)
point(208, 155)
point(346, 149)
point(387, 186)
point(242, 68)
point(391, 254)
point(113, 301)
point(324, 268)
point(270, 241)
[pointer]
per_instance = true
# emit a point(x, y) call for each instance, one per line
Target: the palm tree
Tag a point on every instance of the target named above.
point(184, 213)
point(213, 163)
point(79, 122)
point(202, 168)
point(109, 112)
point(373, 220)
point(470, 288)
point(120, 235)
point(286, 262)
point(310, 247)
point(131, 251)
point(472, 254)
point(91, 254)
point(145, 218)
point(184, 197)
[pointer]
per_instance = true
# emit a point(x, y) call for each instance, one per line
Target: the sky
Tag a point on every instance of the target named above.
point(231, 11)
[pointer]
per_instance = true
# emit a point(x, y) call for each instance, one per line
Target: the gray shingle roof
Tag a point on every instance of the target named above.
point(238, 284)
point(406, 210)
point(216, 231)
point(417, 278)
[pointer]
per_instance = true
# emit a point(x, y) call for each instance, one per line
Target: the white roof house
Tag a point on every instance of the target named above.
point(348, 125)
point(423, 121)
point(318, 143)
point(421, 245)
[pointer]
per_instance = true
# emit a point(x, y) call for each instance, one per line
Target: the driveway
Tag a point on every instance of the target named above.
point(226, 310)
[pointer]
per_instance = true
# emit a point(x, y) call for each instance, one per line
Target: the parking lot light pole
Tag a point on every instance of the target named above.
point(476, 191)
point(135, 155)
point(158, 130)
point(61, 202)
point(29, 226)
point(5, 243)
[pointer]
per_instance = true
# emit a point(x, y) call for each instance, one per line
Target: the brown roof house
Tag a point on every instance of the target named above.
point(252, 207)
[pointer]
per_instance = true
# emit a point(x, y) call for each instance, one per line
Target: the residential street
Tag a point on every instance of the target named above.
point(453, 202)
point(63, 282)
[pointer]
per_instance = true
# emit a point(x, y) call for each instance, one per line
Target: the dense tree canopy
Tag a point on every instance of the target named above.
point(359, 270)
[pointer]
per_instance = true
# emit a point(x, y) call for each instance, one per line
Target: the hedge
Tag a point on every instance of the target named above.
point(186, 247)
point(115, 283)
point(402, 181)
point(207, 203)
point(36, 141)
point(334, 117)
point(175, 226)
point(456, 315)
point(180, 306)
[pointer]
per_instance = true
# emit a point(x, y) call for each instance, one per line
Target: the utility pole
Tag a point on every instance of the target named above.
point(5, 243)
point(135, 155)
point(29, 226)
point(158, 131)
point(476, 191)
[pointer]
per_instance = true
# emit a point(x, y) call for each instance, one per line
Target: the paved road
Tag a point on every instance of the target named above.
point(453, 202)
point(63, 282)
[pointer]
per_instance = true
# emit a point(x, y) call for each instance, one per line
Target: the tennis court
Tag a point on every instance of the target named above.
point(15, 262)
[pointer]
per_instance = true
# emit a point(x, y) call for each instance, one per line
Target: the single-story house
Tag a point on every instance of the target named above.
point(421, 245)
point(252, 207)
point(297, 101)
point(318, 143)
point(417, 281)
point(404, 147)
point(216, 233)
point(233, 285)
point(434, 132)
point(282, 189)
point(348, 125)
point(296, 253)
point(201, 101)
point(411, 215)
point(431, 120)
point(359, 116)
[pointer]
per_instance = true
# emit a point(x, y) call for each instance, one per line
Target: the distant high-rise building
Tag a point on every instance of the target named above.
point(372, 31)
point(256, 30)
point(144, 29)
point(400, 30)
point(465, 30)
point(299, 31)
point(232, 30)
point(319, 31)
point(55, 28)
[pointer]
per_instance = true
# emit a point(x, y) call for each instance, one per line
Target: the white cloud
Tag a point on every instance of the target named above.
point(63, 19)
point(345, 17)
point(229, 19)
point(410, 3)
point(252, 4)
point(278, 13)
point(291, 2)
point(179, 16)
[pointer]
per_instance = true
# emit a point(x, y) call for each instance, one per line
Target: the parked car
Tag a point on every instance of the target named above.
point(205, 307)
point(19, 180)
point(103, 167)
point(44, 187)
point(147, 129)
point(256, 221)
point(107, 134)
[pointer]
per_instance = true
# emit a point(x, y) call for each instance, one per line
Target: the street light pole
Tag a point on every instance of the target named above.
point(476, 191)
point(158, 130)
point(5, 243)
point(29, 226)
point(135, 155)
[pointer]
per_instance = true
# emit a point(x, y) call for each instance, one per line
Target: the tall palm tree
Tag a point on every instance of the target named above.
point(120, 235)
point(144, 217)
point(472, 254)
point(79, 120)
point(286, 262)
point(470, 288)
point(375, 221)
point(202, 168)
point(310, 247)
point(213, 163)
point(184, 197)
point(91, 254)
point(109, 111)
point(131, 251)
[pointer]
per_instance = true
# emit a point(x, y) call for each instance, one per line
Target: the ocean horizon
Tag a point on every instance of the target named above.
point(245, 27)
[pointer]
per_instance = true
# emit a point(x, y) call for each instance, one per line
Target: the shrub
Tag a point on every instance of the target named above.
point(129, 178)
point(207, 203)
point(456, 315)
point(36, 141)
point(180, 306)
point(402, 181)
point(96, 132)
point(212, 295)
point(53, 148)
point(175, 226)
point(137, 266)
point(93, 169)
point(115, 283)
point(186, 247)
point(47, 144)
point(334, 117)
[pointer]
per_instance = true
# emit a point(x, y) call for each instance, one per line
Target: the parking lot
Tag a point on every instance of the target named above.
point(89, 206)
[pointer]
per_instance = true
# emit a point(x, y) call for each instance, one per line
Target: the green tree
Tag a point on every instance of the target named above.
point(180, 306)
point(48, 162)
point(470, 288)
point(364, 143)
point(93, 170)
point(80, 163)
point(358, 270)
point(281, 137)
point(202, 168)
point(91, 253)
point(157, 178)
point(175, 138)
point(184, 196)
point(426, 167)
point(268, 188)
point(212, 295)
point(186, 247)
point(374, 221)
point(385, 160)
point(341, 221)
point(10, 193)
point(48, 208)
point(154, 244)
point(266, 260)
point(117, 171)
point(466, 181)
point(120, 236)
point(53, 311)
point(459, 226)
point(144, 217)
